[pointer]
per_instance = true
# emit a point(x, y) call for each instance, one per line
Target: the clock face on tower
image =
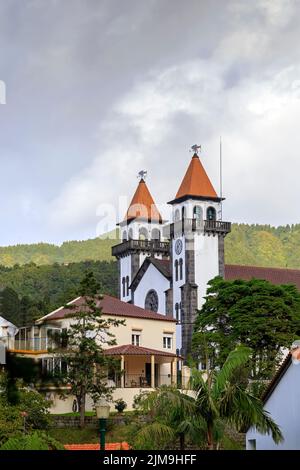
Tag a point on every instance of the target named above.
point(178, 247)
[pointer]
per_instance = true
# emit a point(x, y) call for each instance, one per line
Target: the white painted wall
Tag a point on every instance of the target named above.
point(284, 407)
point(206, 262)
point(152, 279)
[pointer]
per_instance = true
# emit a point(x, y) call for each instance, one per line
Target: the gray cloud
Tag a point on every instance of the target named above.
point(97, 90)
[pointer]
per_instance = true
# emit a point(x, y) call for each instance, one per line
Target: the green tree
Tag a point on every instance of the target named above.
point(172, 418)
point(87, 365)
point(256, 313)
point(10, 305)
point(221, 398)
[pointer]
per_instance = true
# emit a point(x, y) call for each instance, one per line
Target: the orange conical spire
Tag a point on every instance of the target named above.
point(143, 205)
point(196, 182)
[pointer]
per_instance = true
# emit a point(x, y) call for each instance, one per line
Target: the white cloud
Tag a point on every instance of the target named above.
point(256, 118)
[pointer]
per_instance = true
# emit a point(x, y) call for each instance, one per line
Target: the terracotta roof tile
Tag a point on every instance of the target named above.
point(130, 350)
point(196, 182)
point(143, 205)
point(274, 275)
point(108, 446)
point(110, 306)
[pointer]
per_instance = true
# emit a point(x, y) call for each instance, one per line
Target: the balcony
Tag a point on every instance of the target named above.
point(210, 227)
point(34, 340)
point(140, 246)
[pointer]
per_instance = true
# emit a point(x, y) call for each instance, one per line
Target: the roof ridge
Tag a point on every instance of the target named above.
point(263, 267)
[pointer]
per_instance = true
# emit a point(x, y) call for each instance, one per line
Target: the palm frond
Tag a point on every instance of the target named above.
point(154, 436)
point(236, 358)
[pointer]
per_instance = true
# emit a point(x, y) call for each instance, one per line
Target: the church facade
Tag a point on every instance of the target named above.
point(164, 266)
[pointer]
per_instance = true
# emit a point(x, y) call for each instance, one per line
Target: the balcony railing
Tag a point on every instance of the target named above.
point(140, 381)
point(195, 225)
point(30, 344)
point(145, 246)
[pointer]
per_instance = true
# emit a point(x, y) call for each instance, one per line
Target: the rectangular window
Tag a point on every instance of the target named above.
point(135, 340)
point(167, 342)
point(252, 444)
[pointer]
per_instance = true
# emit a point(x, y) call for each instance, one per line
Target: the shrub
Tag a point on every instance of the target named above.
point(120, 405)
point(36, 407)
point(34, 441)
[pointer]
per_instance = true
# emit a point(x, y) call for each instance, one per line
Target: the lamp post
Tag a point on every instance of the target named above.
point(24, 415)
point(102, 412)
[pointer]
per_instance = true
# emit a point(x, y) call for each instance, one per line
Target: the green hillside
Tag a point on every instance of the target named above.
point(260, 245)
point(35, 279)
point(263, 245)
point(30, 291)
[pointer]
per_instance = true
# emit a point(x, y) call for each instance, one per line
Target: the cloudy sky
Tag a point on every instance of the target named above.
point(97, 90)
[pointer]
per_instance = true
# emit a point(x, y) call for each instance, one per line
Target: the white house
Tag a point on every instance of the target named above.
point(282, 401)
point(146, 349)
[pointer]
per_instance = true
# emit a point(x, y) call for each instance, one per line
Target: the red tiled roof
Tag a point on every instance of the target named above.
point(274, 275)
point(130, 350)
point(196, 182)
point(143, 205)
point(110, 306)
point(108, 446)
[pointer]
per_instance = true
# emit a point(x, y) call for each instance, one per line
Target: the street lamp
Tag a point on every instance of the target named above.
point(102, 412)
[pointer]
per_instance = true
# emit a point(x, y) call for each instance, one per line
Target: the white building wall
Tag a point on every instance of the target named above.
point(152, 279)
point(284, 408)
point(206, 262)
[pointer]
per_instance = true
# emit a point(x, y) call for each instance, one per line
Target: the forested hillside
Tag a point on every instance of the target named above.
point(30, 291)
point(35, 279)
point(97, 249)
point(260, 245)
point(263, 245)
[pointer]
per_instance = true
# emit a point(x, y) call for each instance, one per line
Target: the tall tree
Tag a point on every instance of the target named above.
point(89, 332)
point(172, 418)
point(221, 398)
point(10, 305)
point(256, 313)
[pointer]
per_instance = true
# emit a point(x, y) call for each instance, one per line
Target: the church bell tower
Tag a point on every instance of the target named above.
point(197, 235)
point(141, 237)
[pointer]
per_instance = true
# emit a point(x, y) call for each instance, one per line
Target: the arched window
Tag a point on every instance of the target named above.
point(124, 236)
point(130, 234)
point(211, 213)
point(176, 270)
point(151, 301)
point(127, 285)
point(182, 213)
point(181, 269)
point(155, 234)
point(197, 212)
point(123, 286)
point(143, 234)
point(177, 215)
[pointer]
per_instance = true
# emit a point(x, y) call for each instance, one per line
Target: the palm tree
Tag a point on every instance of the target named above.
point(221, 398)
point(172, 418)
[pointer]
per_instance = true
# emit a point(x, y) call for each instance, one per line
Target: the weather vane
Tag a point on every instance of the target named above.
point(196, 148)
point(142, 174)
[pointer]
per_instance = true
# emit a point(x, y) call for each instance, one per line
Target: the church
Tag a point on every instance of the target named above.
point(164, 266)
